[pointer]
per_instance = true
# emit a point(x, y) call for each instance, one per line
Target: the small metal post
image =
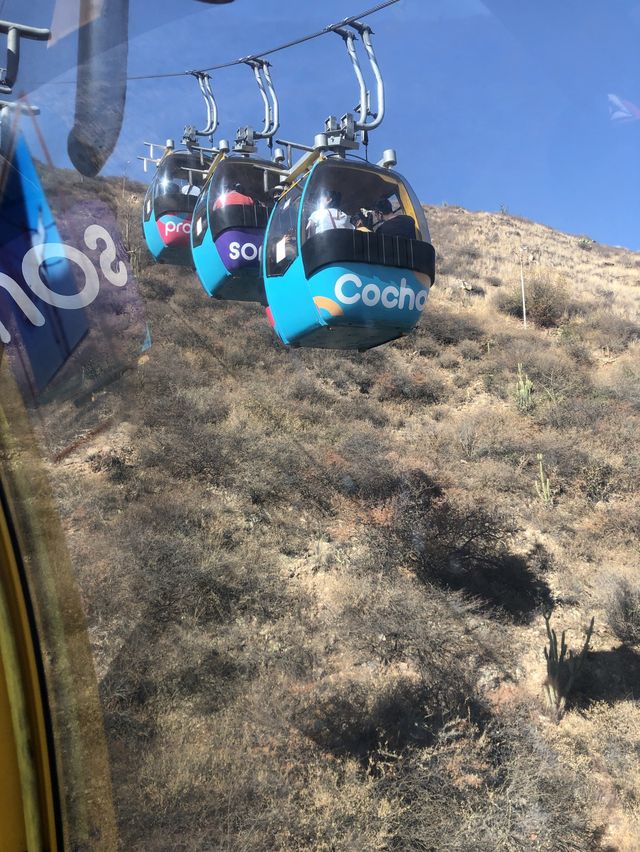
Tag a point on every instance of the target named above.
point(524, 301)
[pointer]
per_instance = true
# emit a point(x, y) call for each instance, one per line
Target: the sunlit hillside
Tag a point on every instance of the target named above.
point(317, 610)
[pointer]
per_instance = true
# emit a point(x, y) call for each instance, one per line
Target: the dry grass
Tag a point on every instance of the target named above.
point(314, 580)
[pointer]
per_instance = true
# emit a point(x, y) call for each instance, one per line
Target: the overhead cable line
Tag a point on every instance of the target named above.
point(244, 59)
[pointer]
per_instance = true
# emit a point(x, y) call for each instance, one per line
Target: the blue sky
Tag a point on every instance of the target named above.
point(490, 104)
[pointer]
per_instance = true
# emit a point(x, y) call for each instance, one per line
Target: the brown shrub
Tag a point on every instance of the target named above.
point(624, 612)
point(623, 379)
point(447, 327)
point(547, 298)
point(467, 548)
point(470, 350)
point(609, 330)
point(461, 794)
point(398, 385)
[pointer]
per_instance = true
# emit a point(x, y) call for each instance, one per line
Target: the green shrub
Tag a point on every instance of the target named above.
point(543, 486)
point(524, 390)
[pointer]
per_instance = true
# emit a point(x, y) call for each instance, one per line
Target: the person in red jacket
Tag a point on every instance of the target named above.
point(237, 195)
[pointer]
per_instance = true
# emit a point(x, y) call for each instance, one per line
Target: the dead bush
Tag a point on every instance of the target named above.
point(346, 370)
point(162, 290)
point(446, 326)
point(624, 612)
point(575, 347)
point(427, 346)
point(360, 408)
point(610, 330)
point(467, 549)
point(564, 458)
point(305, 387)
point(597, 481)
point(114, 463)
point(624, 379)
point(399, 385)
point(470, 350)
point(449, 360)
point(478, 790)
point(205, 457)
point(580, 411)
point(482, 431)
point(366, 470)
point(546, 295)
point(358, 723)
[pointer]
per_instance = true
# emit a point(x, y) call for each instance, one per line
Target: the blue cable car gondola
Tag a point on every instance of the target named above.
point(331, 281)
point(229, 223)
point(169, 204)
point(348, 262)
point(233, 209)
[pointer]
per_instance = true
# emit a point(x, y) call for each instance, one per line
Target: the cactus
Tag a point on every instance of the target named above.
point(524, 390)
point(563, 666)
point(543, 486)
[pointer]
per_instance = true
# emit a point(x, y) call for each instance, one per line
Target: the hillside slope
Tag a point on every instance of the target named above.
point(315, 581)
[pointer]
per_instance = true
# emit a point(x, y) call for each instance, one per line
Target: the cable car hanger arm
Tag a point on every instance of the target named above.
point(246, 137)
point(342, 136)
point(349, 40)
point(258, 65)
point(190, 132)
point(204, 81)
point(275, 114)
point(14, 32)
point(366, 32)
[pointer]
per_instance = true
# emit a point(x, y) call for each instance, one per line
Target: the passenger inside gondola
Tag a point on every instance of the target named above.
point(393, 223)
point(328, 215)
point(239, 182)
point(236, 195)
point(363, 220)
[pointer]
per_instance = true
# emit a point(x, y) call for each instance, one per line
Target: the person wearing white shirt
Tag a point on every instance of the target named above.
point(328, 215)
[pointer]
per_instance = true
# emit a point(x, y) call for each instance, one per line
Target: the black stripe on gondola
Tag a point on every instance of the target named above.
point(238, 216)
point(174, 202)
point(346, 246)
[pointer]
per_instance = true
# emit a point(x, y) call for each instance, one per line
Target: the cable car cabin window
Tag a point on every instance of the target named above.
point(363, 213)
point(241, 195)
point(354, 196)
point(178, 183)
point(282, 237)
point(200, 226)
